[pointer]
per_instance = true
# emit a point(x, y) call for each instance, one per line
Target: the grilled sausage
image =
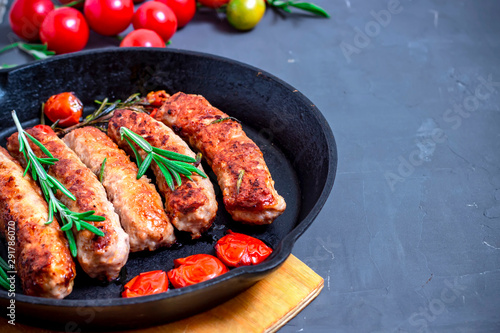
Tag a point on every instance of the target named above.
point(135, 200)
point(191, 206)
point(100, 257)
point(247, 187)
point(42, 257)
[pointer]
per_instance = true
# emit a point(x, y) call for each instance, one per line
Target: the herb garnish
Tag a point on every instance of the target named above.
point(3, 276)
point(101, 173)
point(224, 119)
point(306, 6)
point(171, 164)
point(50, 185)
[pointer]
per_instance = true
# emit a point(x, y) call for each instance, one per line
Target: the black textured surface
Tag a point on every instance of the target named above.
point(422, 255)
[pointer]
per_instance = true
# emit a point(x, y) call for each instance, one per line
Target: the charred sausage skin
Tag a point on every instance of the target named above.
point(100, 257)
point(192, 206)
point(135, 200)
point(247, 187)
point(43, 260)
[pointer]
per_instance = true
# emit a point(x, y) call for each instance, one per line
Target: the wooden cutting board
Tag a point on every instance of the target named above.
point(265, 307)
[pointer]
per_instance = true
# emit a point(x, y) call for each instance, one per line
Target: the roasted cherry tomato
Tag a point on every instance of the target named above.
point(245, 14)
point(156, 16)
point(213, 3)
point(237, 250)
point(142, 38)
point(194, 269)
point(44, 129)
point(26, 16)
point(147, 283)
point(109, 17)
point(65, 107)
point(64, 30)
point(184, 10)
point(157, 98)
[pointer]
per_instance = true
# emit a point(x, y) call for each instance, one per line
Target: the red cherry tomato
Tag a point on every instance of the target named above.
point(156, 16)
point(65, 107)
point(44, 129)
point(184, 10)
point(213, 3)
point(26, 16)
point(109, 17)
point(147, 283)
point(64, 30)
point(142, 38)
point(194, 269)
point(237, 250)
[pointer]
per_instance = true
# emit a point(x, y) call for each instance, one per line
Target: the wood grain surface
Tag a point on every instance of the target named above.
point(265, 307)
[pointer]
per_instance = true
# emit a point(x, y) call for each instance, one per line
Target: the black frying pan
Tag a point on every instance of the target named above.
point(297, 143)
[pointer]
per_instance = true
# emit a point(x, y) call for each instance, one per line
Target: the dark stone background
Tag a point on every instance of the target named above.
point(409, 239)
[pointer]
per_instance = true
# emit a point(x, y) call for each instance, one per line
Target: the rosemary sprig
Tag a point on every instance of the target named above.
point(306, 6)
point(37, 51)
point(220, 120)
point(171, 164)
point(100, 117)
point(101, 173)
point(50, 185)
point(3, 275)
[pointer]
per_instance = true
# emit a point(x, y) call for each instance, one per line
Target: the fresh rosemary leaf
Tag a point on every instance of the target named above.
point(144, 166)
point(61, 187)
point(101, 173)
point(4, 265)
point(84, 214)
point(139, 140)
point(39, 144)
point(138, 157)
point(171, 165)
point(71, 242)
point(94, 218)
point(27, 168)
point(92, 228)
point(4, 283)
point(192, 168)
point(312, 8)
point(67, 226)
point(173, 155)
point(167, 175)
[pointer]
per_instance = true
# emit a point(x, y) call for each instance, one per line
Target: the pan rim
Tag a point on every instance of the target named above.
point(285, 246)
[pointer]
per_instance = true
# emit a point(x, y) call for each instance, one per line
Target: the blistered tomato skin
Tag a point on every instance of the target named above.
point(184, 10)
point(195, 269)
point(156, 16)
point(236, 250)
point(26, 16)
point(65, 107)
point(109, 17)
point(64, 30)
point(142, 38)
point(147, 283)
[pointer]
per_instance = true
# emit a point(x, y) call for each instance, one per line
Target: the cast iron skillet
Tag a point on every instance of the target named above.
point(297, 143)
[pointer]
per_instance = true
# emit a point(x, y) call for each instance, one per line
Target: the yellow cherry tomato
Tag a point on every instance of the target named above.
point(245, 14)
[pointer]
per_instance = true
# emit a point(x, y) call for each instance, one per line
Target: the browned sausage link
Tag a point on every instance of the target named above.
point(100, 257)
point(191, 206)
point(247, 186)
point(43, 260)
point(135, 200)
